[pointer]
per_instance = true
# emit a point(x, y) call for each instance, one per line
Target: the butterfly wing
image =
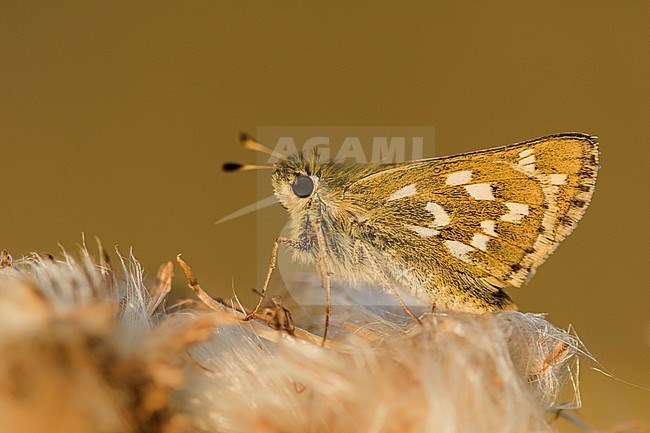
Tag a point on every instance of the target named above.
point(477, 222)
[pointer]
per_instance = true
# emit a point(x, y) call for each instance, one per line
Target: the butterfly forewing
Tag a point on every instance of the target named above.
point(485, 219)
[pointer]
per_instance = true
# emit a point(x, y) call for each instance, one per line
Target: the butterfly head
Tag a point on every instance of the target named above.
point(296, 179)
point(297, 182)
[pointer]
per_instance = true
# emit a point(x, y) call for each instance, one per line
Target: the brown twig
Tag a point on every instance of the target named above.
point(277, 316)
point(230, 315)
point(5, 260)
point(556, 355)
point(161, 287)
point(193, 283)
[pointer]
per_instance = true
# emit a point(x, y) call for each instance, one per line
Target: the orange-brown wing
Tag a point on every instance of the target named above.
point(486, 218)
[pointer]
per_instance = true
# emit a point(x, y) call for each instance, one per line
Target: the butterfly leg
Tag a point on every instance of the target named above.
point(326, 274)
point(274, 259)
point(326, 277)
point(386, 282)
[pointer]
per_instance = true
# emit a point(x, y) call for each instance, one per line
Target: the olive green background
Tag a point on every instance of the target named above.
point(115, 117)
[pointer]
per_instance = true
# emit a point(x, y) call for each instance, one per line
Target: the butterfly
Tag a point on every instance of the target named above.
point(454, 231)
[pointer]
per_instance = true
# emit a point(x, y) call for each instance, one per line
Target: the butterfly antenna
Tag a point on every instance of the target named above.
point(250, 143)
point(232, 167)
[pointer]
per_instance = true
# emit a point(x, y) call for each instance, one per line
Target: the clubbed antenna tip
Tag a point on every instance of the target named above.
point(252, 144)
point(235, 166)
point(232, 166)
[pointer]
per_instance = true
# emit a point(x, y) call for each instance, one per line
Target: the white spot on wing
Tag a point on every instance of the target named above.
point(459, 250)
point(489, 227)
point(424, 231)
point(558, 179)
point(407, 191)
point(459, 177)
point(440, 216)
point(527, 160)
point(525, 153)
point(516, 212)
point(480, 191)
point(480, 241)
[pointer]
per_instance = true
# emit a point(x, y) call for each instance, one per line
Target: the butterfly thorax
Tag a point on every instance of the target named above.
point(340, 222)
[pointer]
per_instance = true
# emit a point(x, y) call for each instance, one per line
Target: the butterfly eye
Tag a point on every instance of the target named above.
point(302, 186)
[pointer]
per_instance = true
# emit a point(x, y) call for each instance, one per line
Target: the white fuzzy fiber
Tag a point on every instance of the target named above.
point(200, 369)
point(457, 373)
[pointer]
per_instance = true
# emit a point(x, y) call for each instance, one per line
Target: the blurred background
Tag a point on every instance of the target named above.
point(116, 116)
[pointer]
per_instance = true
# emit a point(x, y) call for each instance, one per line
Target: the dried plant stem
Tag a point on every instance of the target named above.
point(231, 316)
point(5, 260)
